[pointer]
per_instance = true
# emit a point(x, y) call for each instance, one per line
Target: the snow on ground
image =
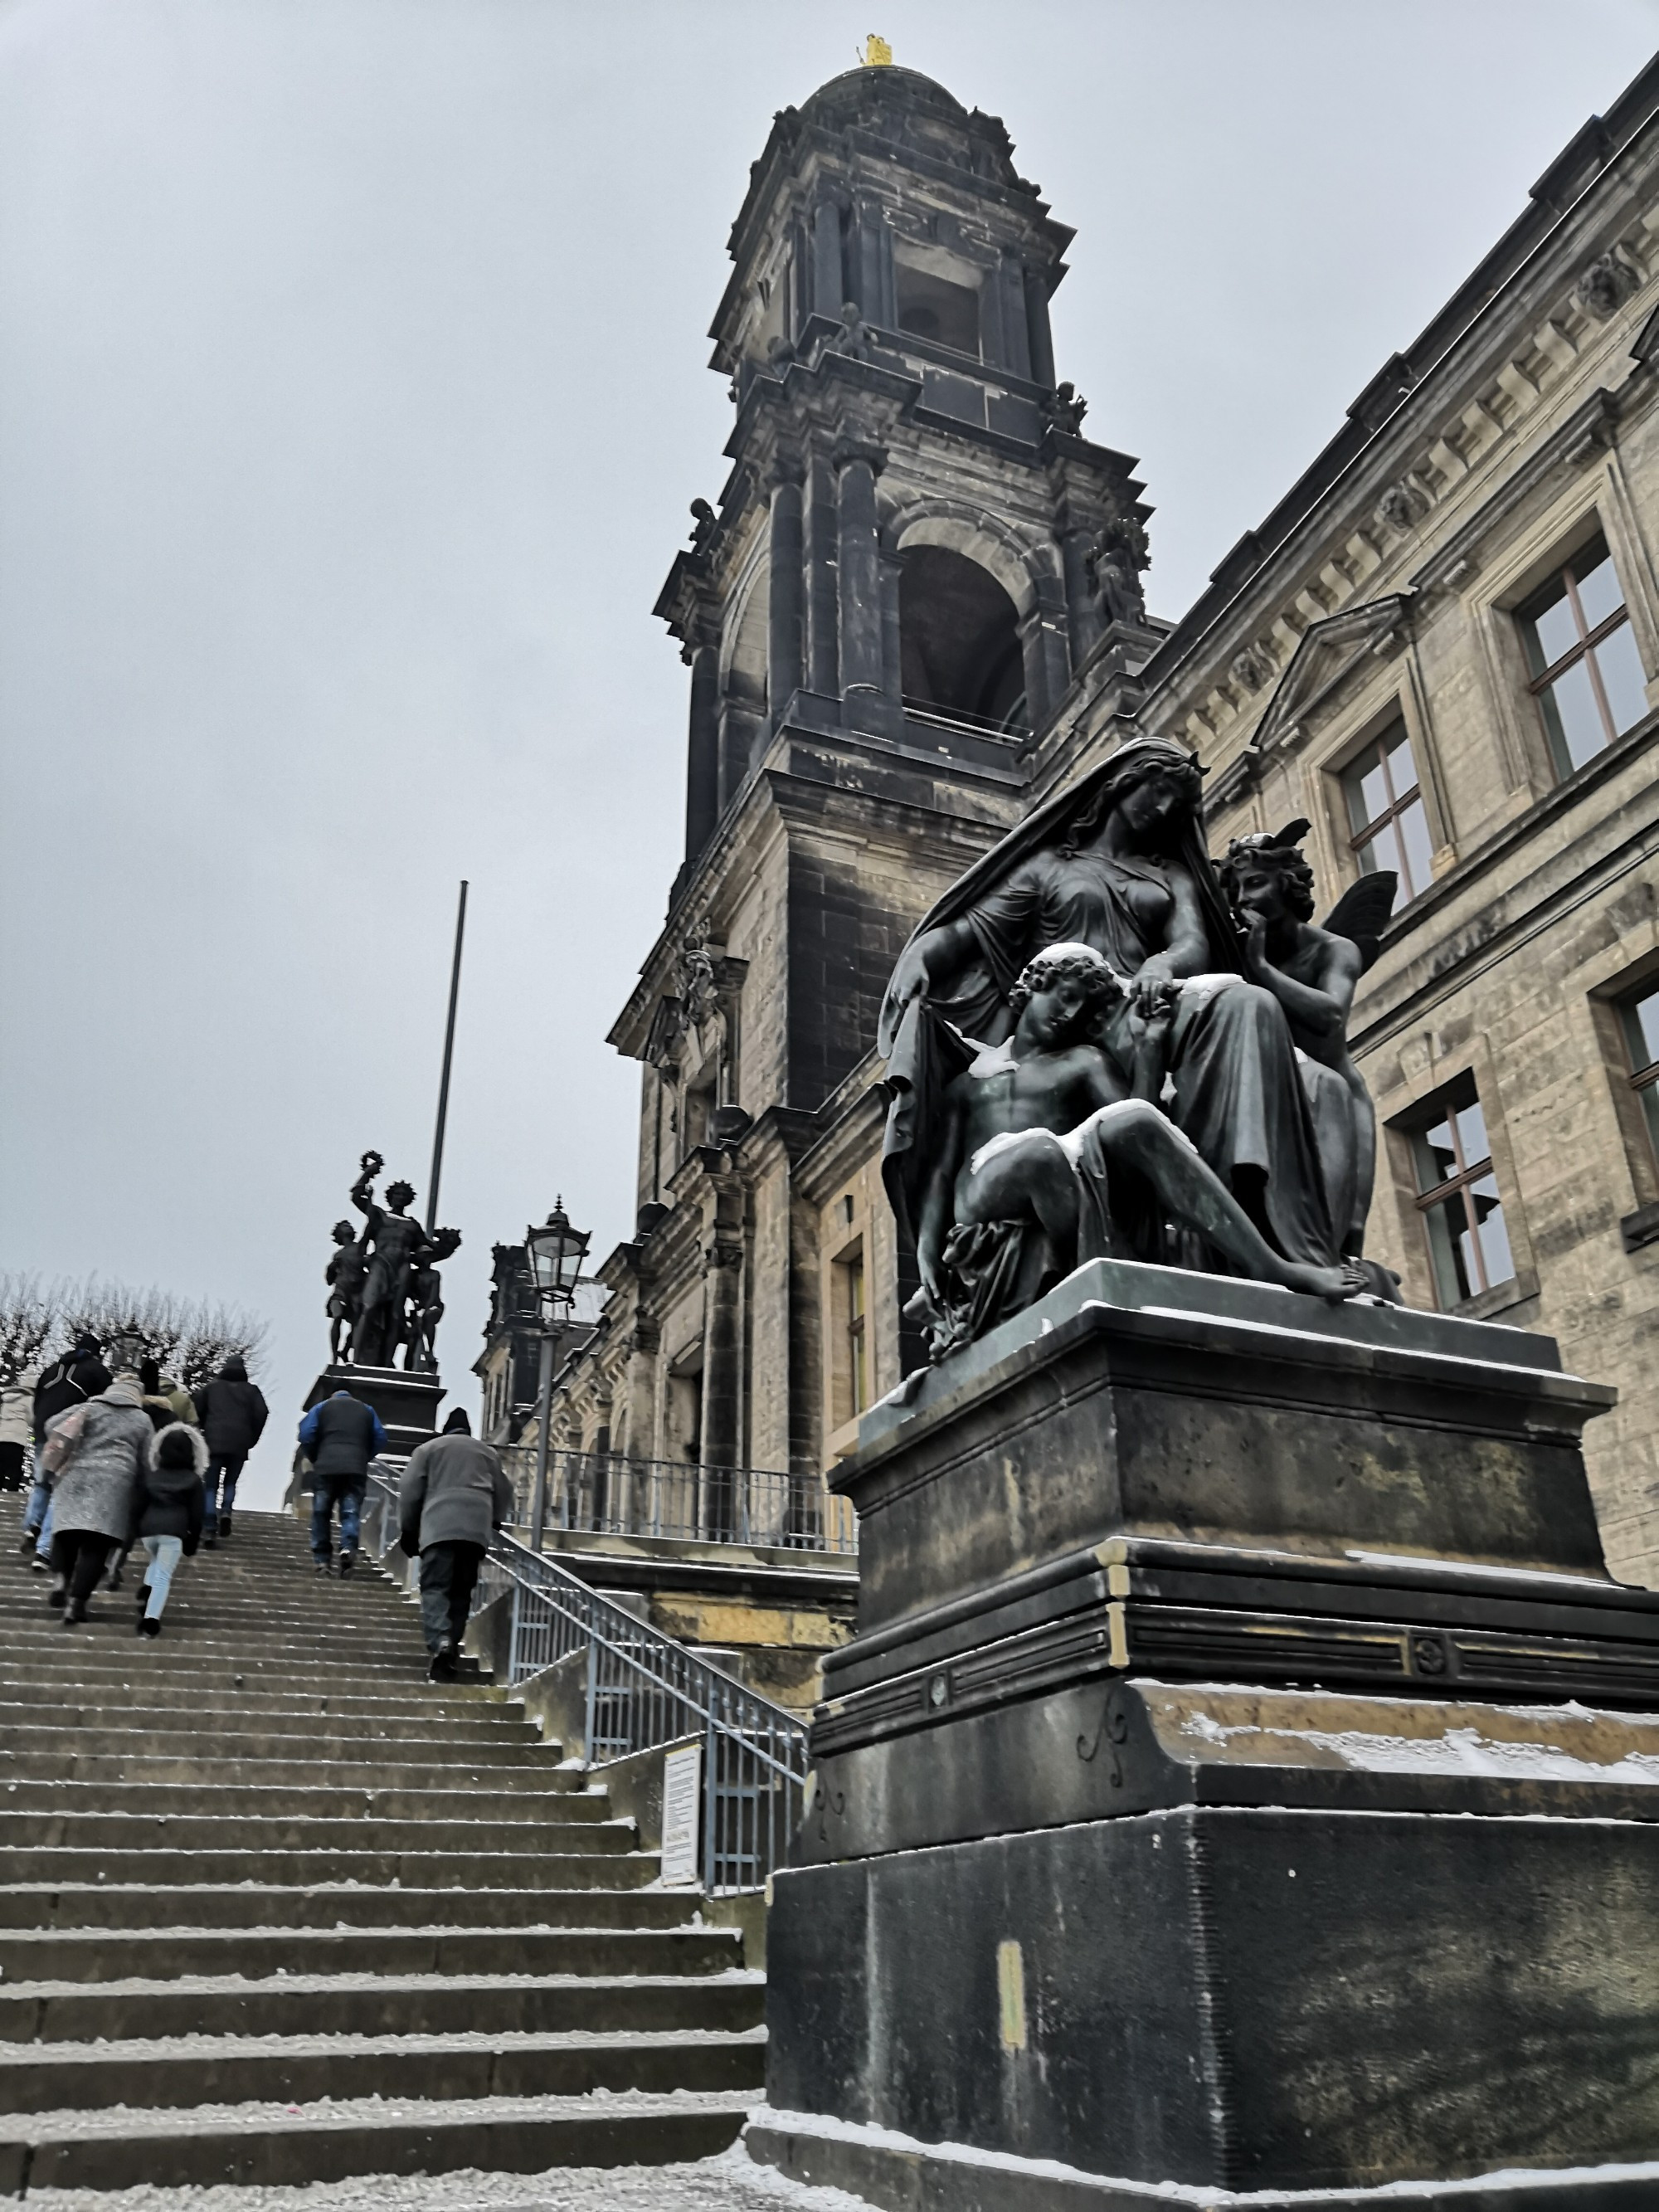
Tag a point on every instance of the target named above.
point(729, 2183)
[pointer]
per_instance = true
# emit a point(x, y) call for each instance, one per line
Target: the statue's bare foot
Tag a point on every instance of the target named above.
point(1347, 1281)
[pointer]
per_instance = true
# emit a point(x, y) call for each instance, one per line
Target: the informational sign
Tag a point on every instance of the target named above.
point(682, 1814)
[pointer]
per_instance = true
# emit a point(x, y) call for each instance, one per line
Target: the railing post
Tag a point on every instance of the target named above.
point(710, 1796)
point(593, 1690)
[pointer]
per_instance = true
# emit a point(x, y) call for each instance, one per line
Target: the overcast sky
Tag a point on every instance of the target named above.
point(352, 393)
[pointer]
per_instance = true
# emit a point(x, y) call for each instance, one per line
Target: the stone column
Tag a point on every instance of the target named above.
point(1043, 642)
point(861, 569)
point(1039, 337)
point(1009, 282)
point(702, 761)
point(829, 274)
point(892, 638)
point(1082, 607)
point(783, 643)
point(823, 608)
point(718, 1445)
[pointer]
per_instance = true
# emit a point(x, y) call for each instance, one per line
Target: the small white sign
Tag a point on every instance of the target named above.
point(682, 1814)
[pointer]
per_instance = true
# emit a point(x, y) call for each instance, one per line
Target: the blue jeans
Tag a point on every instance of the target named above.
point(229, 1465)
point(165, 1553)
point(329, 1490)
point(35, 1511)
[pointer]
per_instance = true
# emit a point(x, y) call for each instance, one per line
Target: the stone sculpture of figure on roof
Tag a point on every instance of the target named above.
point(1121, 554)
point(1116, 866)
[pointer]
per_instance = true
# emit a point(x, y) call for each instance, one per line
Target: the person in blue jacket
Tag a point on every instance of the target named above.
point(339, 1437)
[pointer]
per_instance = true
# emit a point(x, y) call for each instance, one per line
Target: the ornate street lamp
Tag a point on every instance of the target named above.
point(124, 1349)
point(555, 1252)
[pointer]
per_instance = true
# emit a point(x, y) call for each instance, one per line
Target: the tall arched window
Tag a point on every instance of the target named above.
point(959, 643)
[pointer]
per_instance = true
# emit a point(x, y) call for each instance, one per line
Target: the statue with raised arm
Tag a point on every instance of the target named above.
point(1312, 970)
point(1045, 1155)
point(1118, 863)
point(393, 1237)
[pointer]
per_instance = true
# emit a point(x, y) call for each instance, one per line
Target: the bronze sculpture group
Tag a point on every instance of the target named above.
point(385, 1294)
point(1101, 1044)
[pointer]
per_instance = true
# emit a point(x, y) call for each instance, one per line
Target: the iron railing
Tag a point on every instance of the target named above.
point(644, 1692)
point(609, 1494)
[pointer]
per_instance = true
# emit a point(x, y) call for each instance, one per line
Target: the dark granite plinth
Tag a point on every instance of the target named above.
point(407, 1404)
point(1198, 1803)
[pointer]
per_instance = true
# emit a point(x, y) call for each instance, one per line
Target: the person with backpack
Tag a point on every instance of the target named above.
point(16, 1427)
point(453, 1497)
point(339, 1437)
point(71, 1380)
point(233, 1415)
point(170, 1508)
point(94, 1459)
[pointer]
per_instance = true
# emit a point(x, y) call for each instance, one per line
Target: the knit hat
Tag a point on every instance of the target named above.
point(458, 1425)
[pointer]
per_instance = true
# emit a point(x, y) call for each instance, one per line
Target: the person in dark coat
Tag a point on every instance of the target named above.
point(453, 1497)
point(68, 1383)
point(339, 1437)
point(233, 1416)
point(169, 1514)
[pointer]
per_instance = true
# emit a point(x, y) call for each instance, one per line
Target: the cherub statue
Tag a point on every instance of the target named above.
point(426, 1305)
point(345, 1275)
point(1312, 971)
point(1043, 1156)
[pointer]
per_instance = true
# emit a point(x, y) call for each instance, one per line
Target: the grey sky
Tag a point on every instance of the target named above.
point(352, 393)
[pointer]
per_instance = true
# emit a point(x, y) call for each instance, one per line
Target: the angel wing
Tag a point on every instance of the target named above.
point(1292, 833)
point(1362, 912)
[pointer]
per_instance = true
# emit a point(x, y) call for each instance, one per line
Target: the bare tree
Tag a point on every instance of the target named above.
point(31, 1320)
point(189, 1338)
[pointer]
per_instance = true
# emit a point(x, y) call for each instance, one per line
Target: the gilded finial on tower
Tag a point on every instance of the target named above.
point(877, 54)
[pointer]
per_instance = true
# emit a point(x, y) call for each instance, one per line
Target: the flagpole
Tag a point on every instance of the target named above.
point(449, 1053)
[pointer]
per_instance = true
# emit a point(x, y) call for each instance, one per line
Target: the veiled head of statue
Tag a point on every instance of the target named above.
point(1083, 985)
point(1269, 870)
point(1156, 787)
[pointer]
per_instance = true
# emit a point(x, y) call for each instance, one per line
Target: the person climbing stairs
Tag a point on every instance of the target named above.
point(274, 1910)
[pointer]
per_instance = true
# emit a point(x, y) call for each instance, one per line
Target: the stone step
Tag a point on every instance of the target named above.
point(566, 1785)
point(460, 1747)
point(147, 1905)
point(278, 1644)
point(379, 2005)
point(45, 2077)
point(278, 1832)
point(421, 1713)
point(266, 2146)
point(168, 1954)
point(208, 1774)
point(129, 1670)
point(465, 1868)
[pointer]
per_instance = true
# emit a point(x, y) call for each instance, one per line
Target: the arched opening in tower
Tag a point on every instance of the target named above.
point(959, 644)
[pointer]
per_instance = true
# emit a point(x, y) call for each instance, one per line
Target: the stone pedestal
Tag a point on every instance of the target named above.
point(407, 1404)
point(1245, 1777)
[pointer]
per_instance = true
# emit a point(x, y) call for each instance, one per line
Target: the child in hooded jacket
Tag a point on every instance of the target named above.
point(168, 1517)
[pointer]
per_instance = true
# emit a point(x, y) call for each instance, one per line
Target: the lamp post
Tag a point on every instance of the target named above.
point(555, 1252)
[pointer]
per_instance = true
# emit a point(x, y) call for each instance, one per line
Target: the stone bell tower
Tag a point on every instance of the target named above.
point(915, 544)
point(914, 551)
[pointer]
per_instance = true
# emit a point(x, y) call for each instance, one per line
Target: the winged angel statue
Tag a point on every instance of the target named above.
point(1100, 1044)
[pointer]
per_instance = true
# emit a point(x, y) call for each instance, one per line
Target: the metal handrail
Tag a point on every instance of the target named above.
point(613, 1494)
point(645, 1691)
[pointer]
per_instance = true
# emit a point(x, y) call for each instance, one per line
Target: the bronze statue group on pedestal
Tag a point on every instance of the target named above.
point(385, 1294)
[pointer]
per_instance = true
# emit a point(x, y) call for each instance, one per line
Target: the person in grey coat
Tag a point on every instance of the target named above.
point(453, 1497)
point(103, 1452)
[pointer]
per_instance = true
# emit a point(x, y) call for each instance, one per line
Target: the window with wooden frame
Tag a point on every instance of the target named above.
point(1458, 1197)
point(1586, 673)
point(1638, 1019)
point(857, 1350)
point(1388, 823)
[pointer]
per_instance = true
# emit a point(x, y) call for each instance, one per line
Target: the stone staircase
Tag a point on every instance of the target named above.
point(273, 1910)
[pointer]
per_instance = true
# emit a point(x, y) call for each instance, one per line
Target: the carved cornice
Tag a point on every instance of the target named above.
point(1587, 431)
point(1328, 654)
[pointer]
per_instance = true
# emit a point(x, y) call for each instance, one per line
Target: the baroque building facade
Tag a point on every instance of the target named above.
point(916, 613)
